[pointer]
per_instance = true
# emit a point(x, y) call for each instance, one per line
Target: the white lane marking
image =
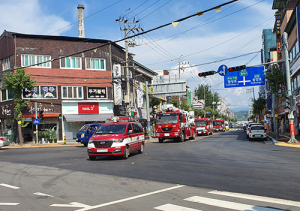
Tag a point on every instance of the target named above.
point(9, 204)
point(9, 186)
point(72, 204)
point(132, 198)
point(42, 194)
point(171, 207)
point(227, 204)
point(257, 198)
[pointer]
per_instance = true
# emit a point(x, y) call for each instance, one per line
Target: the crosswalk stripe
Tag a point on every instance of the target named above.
point(9, 186)
point(227, 204)
point(9, 204)
point(172, 207)
point(257, 198)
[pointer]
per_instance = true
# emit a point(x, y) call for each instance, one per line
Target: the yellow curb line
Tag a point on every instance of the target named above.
point(287, 145)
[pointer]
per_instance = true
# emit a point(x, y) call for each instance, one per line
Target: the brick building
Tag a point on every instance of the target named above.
point(74, 80)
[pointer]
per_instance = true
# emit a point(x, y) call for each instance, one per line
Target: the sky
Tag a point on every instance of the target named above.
point(235, 30)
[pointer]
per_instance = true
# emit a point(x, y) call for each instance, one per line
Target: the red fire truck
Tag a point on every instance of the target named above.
point(172, 123)
point(204, 126)
point(219, 125)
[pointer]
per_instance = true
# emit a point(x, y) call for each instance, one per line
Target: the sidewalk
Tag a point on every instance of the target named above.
point(33, 145)
point(283, 139)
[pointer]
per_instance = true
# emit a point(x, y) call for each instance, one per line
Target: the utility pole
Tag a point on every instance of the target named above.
point(127, 72)
point(213, 104)
point(289, 89)
point(179, 78)
point(204, 102)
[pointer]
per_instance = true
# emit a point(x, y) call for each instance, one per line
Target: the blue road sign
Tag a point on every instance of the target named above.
point(208, 112)
point(252, 76)
point(36, 121)
point(223, 70)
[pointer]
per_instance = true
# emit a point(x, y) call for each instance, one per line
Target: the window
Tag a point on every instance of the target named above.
point(36, 60)
point(298, 81)
point(70, 62)
point(5, 64)
point(295, 83)
point(137, 128)
point(95, 64)
point(72, 92)
point(41, 92)
point(6, 95)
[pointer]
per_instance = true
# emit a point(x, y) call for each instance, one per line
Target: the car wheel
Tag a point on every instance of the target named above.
point(181, 139)
point(141, 151)
point(92, 157)
point(160, 140)
point(126, 152)
point(85, 144)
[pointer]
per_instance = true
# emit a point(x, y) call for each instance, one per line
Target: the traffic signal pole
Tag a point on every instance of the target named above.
point(289, 88)
point(36, 126)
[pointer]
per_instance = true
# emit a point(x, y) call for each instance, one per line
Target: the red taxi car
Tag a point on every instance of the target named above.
point(116, 139)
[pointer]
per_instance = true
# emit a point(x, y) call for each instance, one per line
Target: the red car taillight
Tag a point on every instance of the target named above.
point(265, 130)
point(1, 139)
point(250, 131)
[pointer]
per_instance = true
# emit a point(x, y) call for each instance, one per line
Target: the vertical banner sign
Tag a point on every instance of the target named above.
point(292, 128)
point(298, 25)
point(140, 100)
point(117, 86)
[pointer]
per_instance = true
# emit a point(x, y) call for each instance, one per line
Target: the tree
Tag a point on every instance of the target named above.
point(275, 78)
point(174, 102)
point(16, 82)
point(198, 113)
point(154, 102)
point(259, 105)
point(209, 96)
point(184, 105)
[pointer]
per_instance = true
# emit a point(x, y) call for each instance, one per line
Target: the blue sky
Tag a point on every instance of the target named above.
point(234, 31)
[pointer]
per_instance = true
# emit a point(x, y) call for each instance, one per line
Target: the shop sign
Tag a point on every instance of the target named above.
point(88, 108)
point(5, 110)
point(281, 110)
point(281, 92)
point(41, 92)
point(140, 98)
point(97, 92)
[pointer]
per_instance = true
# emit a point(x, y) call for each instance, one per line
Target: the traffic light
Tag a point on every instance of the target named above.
point(41, 115)
point(237, 68)
point(204, 74)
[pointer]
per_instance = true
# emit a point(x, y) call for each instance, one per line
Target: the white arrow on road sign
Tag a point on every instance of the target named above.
point(72, 204)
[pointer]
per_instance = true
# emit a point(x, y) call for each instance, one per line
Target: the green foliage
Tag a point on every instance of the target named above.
point(17, 82)
point(174, 101)
point(209, 109)
point(198, 112)
point(184, 105)
point(275, 78)
point(225, 117)
point(259, 105)
point(209, 96)
point(154, 102)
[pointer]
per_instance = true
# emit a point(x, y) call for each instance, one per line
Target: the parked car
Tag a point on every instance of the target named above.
point(249, 126)
point(117, 139)
point(257, 132)
point(4, 141)
point(86, 132)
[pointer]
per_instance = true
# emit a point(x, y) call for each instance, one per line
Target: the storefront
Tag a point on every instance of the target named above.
point(51, 118)
point(8, 124)
point(77, 114)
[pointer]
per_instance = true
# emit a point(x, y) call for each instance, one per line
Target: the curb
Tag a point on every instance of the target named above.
point(274, 141)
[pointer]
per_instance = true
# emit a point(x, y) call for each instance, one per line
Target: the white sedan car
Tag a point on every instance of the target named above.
point(257, 132)
point(4, 141)
point(249, 126)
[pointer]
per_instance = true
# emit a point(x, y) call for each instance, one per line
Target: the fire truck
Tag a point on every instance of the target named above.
point(219, 125)
point(173, 123)
point(204, 126)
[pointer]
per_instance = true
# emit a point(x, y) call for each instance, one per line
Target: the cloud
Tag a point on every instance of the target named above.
point(29, 17)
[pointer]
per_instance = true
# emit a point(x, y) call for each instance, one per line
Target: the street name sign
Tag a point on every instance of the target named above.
point(36, 121)
point(252, 76)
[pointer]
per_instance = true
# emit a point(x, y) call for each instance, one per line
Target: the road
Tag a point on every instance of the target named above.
point(220, 172)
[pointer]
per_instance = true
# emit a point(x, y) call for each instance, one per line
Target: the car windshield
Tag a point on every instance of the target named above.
point(226, 124)
point(83, 128)
point(200, 123)
point(111, 129)
point(218, 123)
point(167, 119)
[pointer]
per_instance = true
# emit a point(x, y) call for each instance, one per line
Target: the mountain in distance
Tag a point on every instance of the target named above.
point(240, 109)
point(240, 115)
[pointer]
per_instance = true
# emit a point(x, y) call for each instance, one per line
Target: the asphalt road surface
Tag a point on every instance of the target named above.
point(225, 171)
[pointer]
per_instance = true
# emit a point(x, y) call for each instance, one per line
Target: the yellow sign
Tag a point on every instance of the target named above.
point(19, 122)
point(276, 115)
point(150, 88)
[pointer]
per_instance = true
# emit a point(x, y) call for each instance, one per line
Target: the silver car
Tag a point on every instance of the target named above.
point(4, 141)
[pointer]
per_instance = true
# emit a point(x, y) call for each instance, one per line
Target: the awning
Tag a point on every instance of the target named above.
point(88, 117)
